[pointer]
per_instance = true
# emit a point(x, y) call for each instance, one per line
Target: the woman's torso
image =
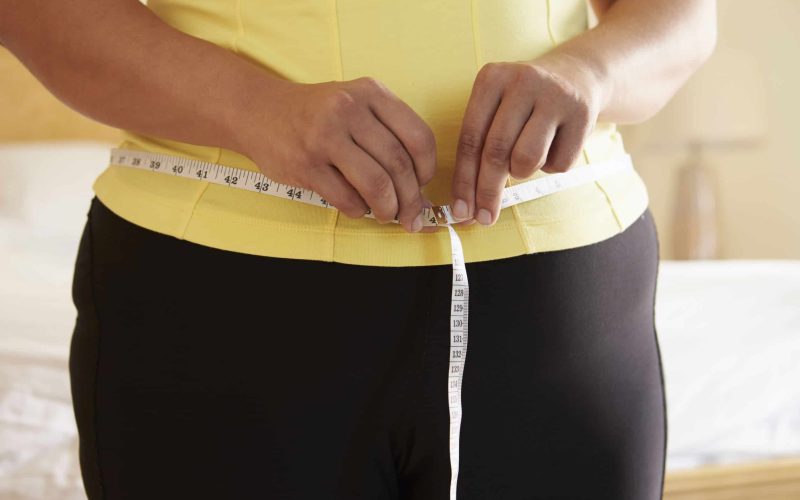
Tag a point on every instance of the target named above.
point(427, 52)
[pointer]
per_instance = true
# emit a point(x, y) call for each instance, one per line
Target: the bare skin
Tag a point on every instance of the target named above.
point(528, 115)
point(354, 142)
point(118, 72)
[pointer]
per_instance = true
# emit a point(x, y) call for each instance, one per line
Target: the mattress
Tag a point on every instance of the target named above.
point(729, 333)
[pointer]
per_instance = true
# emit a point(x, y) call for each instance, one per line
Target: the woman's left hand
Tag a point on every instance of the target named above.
point(521, 116)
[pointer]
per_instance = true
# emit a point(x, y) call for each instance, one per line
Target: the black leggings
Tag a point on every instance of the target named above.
point(199, 373)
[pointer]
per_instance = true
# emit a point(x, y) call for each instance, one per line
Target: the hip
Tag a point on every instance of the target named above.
point(124, 263)
point(176, 339)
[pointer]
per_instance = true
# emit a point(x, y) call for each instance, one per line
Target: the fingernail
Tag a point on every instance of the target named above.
point(484, 217)
point(417, 224)
point(460, 209)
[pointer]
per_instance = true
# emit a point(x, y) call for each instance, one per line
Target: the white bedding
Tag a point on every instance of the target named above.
point(44, 197)
point(729, 333)
point(730, 340)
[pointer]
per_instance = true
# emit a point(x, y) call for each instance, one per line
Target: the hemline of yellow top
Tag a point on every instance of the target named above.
point(248, 222)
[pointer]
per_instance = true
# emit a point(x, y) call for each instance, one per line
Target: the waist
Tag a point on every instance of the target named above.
point(249, 222)
point(604, 143)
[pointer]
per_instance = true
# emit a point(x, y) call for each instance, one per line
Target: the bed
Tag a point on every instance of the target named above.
point(729, 333)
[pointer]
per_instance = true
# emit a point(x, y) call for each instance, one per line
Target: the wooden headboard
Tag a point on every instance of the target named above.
point(31, 113)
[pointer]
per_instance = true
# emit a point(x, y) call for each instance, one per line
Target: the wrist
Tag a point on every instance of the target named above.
point(257, 99)
point(583, 70)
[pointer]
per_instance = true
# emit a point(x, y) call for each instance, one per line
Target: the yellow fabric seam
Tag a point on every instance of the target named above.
point(200, 193)
point(239, 27)
point(335, 217)
point(522, 235)
point(549, 24)
point(554, 42)
point(602, 189)
point(150, 198)
point(584, 153)
point(476, 46)
point(250, 221)
point(610, 205)
point(474, 36)
point(235, 46)
point(514, 209)
point(551, 36)
point(284, 227)
point(478, 230)
point(334, 223)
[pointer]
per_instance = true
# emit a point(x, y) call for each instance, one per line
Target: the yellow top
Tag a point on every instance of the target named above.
point(428, 53)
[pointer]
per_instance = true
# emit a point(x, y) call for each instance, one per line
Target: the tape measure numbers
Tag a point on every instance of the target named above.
point(435, 216)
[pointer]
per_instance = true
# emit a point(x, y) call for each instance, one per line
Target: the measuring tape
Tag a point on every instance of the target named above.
point(442, 215)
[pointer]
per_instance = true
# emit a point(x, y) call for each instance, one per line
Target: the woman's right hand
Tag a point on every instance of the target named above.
point(354, 142)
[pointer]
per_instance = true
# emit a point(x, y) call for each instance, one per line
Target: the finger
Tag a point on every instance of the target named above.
point(374, 138)
point(430, 229)
point(512, 114)
point(531, 150)
point(465, 222)
point(410, 129)
point(426, 203)
point(332, 185)
point(566, 147)
point(371, 181)
point(483, 102)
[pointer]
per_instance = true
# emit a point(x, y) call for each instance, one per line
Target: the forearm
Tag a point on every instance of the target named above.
point(118, 63)
point(640, 53)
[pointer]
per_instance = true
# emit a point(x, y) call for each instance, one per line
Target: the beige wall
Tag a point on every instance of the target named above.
point(759, 186)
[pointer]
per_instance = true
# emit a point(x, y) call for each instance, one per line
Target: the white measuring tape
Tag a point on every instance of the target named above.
point(434, 216)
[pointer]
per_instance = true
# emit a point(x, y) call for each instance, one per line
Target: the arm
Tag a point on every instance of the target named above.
point(528, 115)
point(118, 63)
point(644, 52)
point(115, 61)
